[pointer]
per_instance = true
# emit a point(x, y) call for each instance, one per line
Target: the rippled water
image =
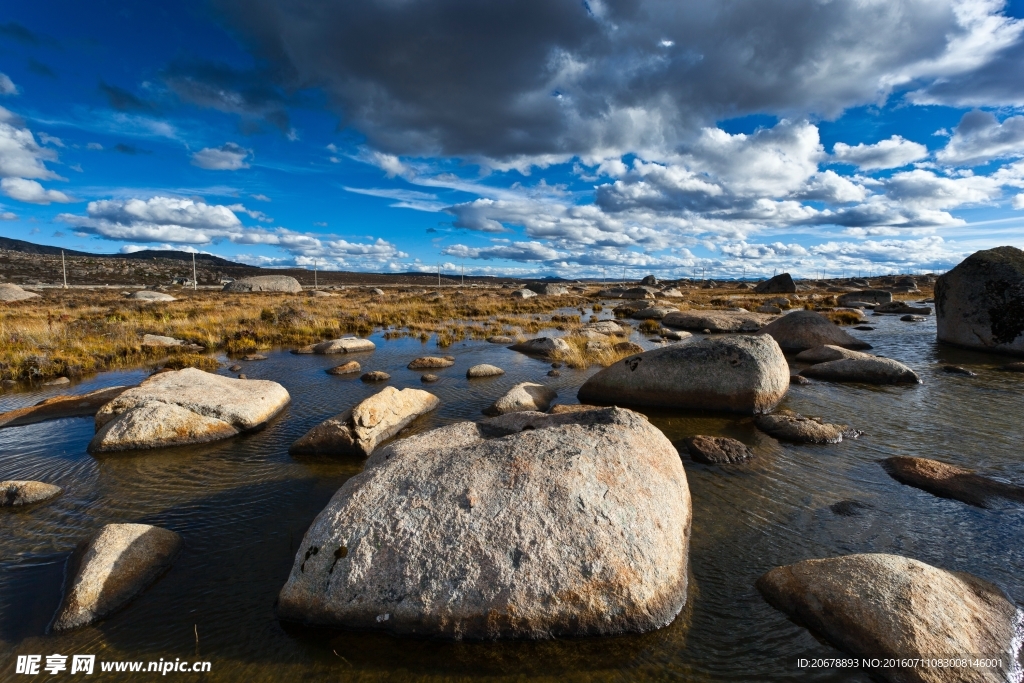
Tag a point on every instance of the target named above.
point(242, 507)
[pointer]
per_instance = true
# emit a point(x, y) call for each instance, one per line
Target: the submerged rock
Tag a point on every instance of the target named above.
point(802, 330)
point(542, 346)
point(979, 304)
point(733, 374)
point(428, 378)
point(717, 321)
point(950, 481)
point(484, 370)
point(893, 607)
point(828, 352)
point(17, 493)
point(60, 407)
point(185, 407)
point(110, 569)
point(344, 345)
point(345, 368)
point(431, 363)
point(526, 396)
point(873, 370)
point(522, 526)
point(789, 426)
point(717, 450)
point(264, 283)
point(849, 508)
point(957, 370)
point(360, 429)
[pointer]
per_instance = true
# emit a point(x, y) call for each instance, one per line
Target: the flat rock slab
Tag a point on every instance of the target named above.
point(653, 312)
point(344, 345)
point(872, 370)
point(265, 283)
point(542, 346)
point(717, 321)
point(789, 426)
point(802, 330)
point(185, 407)
point(887, 606)
point(901, 307)
point(949, 481)
point(362, 428)
point(717, 450)
point(110, 569)
point(733, 374)
point(484, 370)
point(60, 407)
point(18, 493)
point(12, 292)
point(431, 363)
point(526, 396)
point(159, 340)
point(828, 352)
point(499, 339)
point(523, 526)
point(345, 368)
point(144, 295)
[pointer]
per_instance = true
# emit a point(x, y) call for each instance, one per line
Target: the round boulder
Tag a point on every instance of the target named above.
point(265, 283)
point(870, 370)
point(345, 368)
point(16, 493)
point(523, 526)
point(526, 396)
point(980, 303)
point(484, 370)
point(733, 374)
point(542, 346)
point(801, 330)
point(344, 345)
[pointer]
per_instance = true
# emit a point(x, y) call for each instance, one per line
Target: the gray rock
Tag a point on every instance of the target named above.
point(780, 284)
point(499, 339)
point(429, 378)
point(872, 370)
point(12, 292)
point(674, 335)
point(265, 283)
point(980, 303)
point(733, 374)
point(654, 312)
point(789, 426)
point(158, 340)
point(526, 396)
point(548, 289)
point(892, 607)
point(828, 352)
point(801, 330)
point(523, 294)
point(362, 428)
point(717, 321)
point(344, 345)
point(639, 293)
point(769, 308)
point(717, 450)
point(185, 407)
point(484, 370)
point(903, 307)
point(913, 319)
point(957, 370)
point(58, 381)
point(17, 493)
point(868, 296)
point(113, 567)
point(236, 367)
point(144, 295)
point(649, 281)
point(523, 526)
point(542, 346)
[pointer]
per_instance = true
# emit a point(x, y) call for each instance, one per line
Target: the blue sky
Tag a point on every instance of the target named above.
point(537, 137)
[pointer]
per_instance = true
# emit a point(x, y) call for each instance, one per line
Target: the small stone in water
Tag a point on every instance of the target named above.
point(556, 365)
point(242, 376)
point(554, 373)
point(848, 508)
point(957, 370)
point(427, 378)
point(864, 328)
point(798, 379)
point(235, 368)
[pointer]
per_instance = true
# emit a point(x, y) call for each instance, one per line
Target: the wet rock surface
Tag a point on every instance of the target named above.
point(949, 481)
point(872, 370)
point(60, 407)
point(789, 426)
point(717, 450)
point(19, 493)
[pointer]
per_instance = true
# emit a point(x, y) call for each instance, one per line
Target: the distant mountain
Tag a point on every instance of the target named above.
point(10, 244)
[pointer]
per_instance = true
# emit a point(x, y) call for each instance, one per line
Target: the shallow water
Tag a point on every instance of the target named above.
point(242, 507)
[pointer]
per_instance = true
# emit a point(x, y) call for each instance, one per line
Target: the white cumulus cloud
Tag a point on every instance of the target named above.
point(980, 137)
point(227, 157)
point(32, 192)
point(892, 153)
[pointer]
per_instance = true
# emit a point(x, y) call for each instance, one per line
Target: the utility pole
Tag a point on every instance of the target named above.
point(623, 274)
point(194, 284)
point(64, 267)
point(315, 286)
point(438, 275)
point(463, 274)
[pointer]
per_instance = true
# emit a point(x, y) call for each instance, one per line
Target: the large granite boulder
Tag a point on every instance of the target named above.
point(360, 429)
point(185, 407)
point(523, 526)
point(526, 396)
point(265, 283)
point(60, 407)
point(980, 303)
point(12, 292)
point(344, 345)
point(717, 321)
point(548, 289)
point(949, 481)
point(734, 374)
point(16, 493)
point(111, 568)
point(892, 607)
point(870, 370)
point(780, 284)
point(801, 330)
point(542, 346)
point(145, 295)
point(523, 294)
